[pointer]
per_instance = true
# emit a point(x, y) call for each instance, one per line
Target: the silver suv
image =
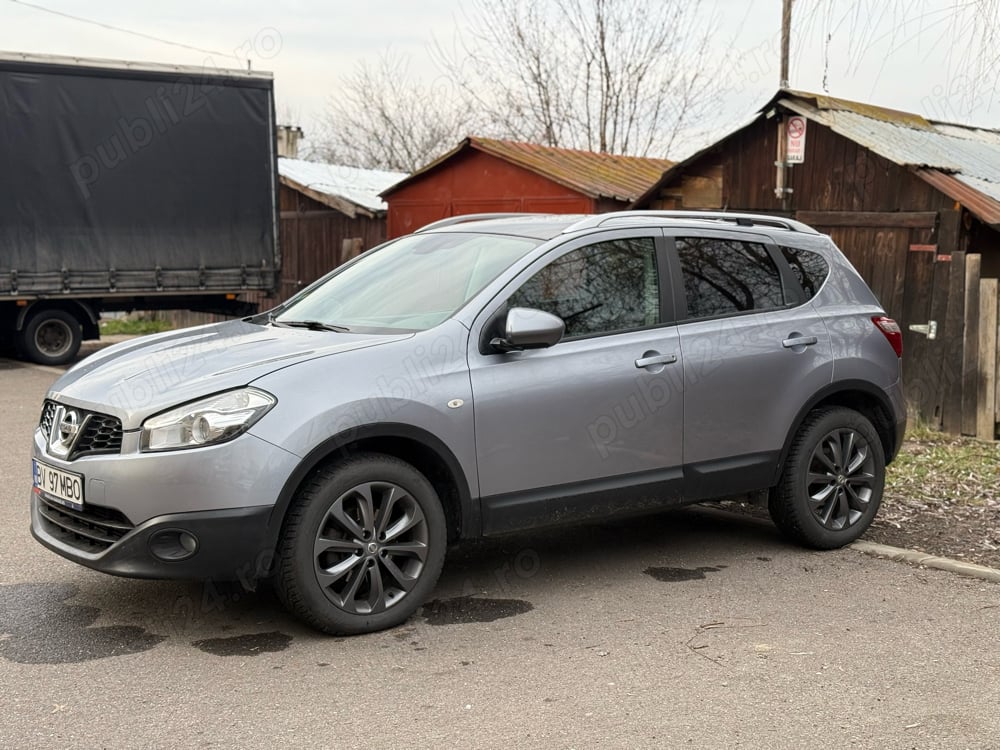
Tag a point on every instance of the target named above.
point(484, 375)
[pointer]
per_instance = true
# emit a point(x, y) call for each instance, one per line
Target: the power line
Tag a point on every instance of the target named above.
point(119, 28)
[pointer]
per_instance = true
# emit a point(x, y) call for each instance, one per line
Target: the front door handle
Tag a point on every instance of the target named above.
point(794, 341)
point(656, 359)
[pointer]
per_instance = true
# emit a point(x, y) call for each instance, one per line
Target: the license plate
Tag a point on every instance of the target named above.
point(61, 486)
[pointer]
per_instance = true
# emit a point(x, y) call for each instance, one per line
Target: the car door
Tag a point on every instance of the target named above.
point(592, 425)
point(751, 346)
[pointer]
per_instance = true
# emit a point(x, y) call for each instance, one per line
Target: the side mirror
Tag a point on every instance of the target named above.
point(527, 328)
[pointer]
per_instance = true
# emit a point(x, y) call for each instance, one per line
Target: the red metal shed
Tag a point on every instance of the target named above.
point(483, 174)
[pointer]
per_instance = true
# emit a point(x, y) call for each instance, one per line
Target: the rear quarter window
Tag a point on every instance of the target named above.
point(811, 269)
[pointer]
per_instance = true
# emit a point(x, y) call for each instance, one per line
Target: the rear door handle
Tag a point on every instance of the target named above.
point(798, 341)
point(656, 359)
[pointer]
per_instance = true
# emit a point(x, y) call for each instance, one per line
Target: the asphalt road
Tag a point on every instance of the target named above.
point(689, 629)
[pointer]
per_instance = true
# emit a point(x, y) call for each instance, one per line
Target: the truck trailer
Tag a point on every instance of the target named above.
point(130, 186)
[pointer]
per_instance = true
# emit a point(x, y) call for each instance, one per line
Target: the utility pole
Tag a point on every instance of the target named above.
point(781, 189)
point(786, 33)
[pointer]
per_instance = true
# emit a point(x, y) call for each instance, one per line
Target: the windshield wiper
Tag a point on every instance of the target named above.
point(312, 325)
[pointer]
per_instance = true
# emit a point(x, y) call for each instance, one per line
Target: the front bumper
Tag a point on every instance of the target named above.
point(230, 545)
point(219, 499)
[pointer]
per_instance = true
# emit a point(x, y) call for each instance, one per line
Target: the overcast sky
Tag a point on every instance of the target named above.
point(905, 54)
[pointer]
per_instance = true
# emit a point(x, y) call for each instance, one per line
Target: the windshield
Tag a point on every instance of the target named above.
point(412, 284)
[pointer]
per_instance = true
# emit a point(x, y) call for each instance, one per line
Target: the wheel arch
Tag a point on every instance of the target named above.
point(419, 448)
point(82, 310)
point(859, 395)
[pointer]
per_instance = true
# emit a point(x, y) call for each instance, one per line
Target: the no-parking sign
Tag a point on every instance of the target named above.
point(795, 133)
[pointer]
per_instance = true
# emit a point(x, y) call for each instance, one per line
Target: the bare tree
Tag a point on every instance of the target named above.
point(619, 76)
point(962, 35)
point(384, 118)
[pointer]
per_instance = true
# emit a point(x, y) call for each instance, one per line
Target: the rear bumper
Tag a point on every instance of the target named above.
point(230, 545)
point(898, 401)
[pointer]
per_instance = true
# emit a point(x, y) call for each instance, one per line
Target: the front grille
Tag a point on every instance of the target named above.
point(99, 433)
point(48, 415)
point(92, 529)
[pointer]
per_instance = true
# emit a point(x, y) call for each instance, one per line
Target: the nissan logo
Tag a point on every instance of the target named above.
point(66, 428)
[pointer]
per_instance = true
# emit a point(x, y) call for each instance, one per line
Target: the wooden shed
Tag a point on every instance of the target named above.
point(483, 175)
point(329, 214)
point(915, 205)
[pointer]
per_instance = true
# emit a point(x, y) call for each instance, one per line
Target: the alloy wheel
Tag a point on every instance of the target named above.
point(841, 478)
point(371, 548)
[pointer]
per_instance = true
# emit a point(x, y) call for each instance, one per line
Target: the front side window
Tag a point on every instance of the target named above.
point(609, 286)
point(411, 284)
point(727, 277)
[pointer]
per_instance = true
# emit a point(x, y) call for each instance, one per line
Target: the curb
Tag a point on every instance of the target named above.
point(897, 554)
point(928, 561)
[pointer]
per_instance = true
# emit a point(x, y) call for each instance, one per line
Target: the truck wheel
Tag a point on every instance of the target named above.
point(51, 337)
point(362, 547)
point(831, 485)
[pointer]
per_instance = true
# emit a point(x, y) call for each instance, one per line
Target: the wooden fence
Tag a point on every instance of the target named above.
point(981, 354)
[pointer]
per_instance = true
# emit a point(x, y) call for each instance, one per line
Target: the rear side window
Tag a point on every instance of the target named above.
point(609, 286)
point(727, 277)
point(811, 269)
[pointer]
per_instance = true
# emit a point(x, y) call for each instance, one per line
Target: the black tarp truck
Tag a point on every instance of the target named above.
point(130, 187)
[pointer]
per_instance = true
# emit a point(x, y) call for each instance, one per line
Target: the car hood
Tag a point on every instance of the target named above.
point(144, 376)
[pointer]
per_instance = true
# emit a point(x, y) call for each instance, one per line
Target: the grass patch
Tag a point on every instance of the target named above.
point(117, 326)
point(938, 469)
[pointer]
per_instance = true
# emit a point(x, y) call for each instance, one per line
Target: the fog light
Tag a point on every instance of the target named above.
point(173, 545)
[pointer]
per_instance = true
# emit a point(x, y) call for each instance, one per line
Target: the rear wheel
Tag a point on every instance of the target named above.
point(363, 546)
point(831, 485)
point(50, 337)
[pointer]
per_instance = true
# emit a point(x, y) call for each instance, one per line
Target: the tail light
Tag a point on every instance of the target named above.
point(892, 332)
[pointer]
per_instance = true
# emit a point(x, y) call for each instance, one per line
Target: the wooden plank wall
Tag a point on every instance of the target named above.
point(313, 240)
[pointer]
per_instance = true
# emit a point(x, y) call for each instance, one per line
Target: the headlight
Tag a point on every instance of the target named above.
point(210, 420)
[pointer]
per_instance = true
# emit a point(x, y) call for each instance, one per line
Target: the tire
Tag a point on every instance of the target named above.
point(50, 337)
point(822, 501)
point(342, 566)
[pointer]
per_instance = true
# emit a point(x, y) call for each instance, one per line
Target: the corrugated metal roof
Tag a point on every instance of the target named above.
point(360, 187)
point(593, 174)
point(961, 161)
point(968, 156)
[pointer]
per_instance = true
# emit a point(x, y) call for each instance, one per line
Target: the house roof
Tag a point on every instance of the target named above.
point(350, 190)
point(593, 174)
point(961, 161)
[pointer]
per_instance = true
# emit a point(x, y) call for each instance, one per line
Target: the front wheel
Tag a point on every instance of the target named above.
point(362, 547)
point(832, 482)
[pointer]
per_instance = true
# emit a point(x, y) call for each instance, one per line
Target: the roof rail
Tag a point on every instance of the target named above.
point(463, 218)
point(743, 220)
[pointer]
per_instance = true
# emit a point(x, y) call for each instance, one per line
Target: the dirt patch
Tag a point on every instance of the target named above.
point(970, 533)
point(943, 497)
